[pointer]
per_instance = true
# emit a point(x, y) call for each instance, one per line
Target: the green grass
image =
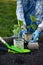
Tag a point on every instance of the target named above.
point(7, 18)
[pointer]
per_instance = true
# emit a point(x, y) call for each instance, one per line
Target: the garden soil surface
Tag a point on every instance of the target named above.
point(33, 58)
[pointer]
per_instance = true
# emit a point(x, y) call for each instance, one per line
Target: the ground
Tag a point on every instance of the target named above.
point(33, 58)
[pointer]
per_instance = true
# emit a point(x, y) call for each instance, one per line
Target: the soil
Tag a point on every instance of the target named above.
point(33, 58)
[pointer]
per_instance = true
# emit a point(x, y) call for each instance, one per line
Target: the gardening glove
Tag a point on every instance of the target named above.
point(35, 36)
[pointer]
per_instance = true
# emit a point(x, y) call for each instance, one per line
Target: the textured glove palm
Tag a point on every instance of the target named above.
point(35, 36)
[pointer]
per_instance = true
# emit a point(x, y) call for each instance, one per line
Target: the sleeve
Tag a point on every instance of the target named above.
point(19, 11)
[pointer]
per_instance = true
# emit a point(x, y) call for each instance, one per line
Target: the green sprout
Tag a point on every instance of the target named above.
point(33, 18)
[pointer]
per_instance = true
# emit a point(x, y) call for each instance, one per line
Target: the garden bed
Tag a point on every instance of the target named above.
point(33, 58)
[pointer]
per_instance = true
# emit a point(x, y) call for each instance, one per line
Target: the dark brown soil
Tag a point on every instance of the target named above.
point(33, 58)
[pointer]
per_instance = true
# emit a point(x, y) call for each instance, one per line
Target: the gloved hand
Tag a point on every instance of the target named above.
point(35, 36)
